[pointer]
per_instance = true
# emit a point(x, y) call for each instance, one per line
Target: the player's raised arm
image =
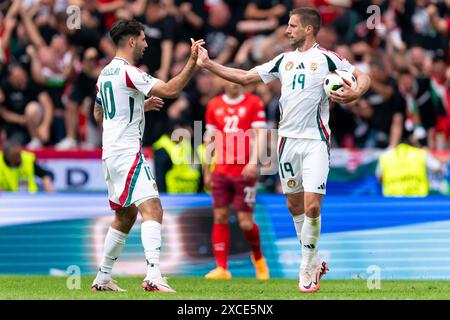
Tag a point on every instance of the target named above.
point(235, 75)
point(173, 87)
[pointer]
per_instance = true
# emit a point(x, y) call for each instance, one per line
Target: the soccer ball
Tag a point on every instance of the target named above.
point(334, 81)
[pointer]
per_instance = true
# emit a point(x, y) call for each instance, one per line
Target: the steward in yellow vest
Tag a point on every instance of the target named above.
point(404, 172)
point(18, 169)
point(180, 176)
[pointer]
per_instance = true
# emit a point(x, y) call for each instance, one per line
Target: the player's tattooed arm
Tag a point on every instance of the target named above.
point(98, 114)
point(173, 87)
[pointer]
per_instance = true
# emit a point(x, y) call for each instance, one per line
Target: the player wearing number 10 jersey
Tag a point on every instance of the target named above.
point(235, 119)
point(304, 135)
point(120, 105)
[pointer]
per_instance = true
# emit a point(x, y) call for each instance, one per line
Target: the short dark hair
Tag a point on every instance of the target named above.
point(123, 29)
point(10, 145)
point(309, 16)
point(404, 72)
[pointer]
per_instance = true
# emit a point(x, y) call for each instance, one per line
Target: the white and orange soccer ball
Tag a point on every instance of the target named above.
point(334, 81)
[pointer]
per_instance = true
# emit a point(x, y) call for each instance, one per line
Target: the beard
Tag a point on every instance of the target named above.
point(298, 43)
point(138, 53)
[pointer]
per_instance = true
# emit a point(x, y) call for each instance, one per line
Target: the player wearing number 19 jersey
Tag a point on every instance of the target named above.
point(304, 135)
point(231, 117)
point(120, 105)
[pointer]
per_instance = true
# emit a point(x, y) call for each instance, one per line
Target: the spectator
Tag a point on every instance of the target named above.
point(18, 169)
point(421, 108)
point(220, 34)
point(159, 29)
point(414, 21)
point(440, 24)
point(441, 90)
point(409, 35)
point(385, 108)
point(264, 16)
point(174, 169)
point(191, 17)
point(51, 67)
point(83, 89)
point(403, 171)
point(26, 109)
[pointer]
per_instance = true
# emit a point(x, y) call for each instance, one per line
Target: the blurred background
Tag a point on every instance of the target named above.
point(52, 51)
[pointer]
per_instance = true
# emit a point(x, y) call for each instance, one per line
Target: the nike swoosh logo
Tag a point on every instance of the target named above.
point(308, 286)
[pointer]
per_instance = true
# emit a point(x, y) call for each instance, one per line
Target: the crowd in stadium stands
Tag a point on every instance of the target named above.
point(50, 60)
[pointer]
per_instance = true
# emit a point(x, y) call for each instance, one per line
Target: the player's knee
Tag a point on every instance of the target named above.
point(153, 213)
point(124, 222)
point(220, 215)
point(151, 210)
point(295, 208)
point(246, 224)
point(313, 210)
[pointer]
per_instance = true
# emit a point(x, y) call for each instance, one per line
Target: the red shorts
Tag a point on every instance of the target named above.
point(234, 190)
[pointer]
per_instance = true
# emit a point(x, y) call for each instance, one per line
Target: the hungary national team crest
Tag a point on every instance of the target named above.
point(313, 66)
point(289, 65)
point(291, 183)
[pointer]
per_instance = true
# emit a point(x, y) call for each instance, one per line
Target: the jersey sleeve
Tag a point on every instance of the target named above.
point(259, 114)
point(209, 117)
point(139, 80)
point(98, 96)
point(336, 62)
point(269, 71)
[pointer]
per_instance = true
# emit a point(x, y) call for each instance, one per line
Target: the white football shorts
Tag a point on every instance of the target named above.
point(129, 180)
point(303, 165)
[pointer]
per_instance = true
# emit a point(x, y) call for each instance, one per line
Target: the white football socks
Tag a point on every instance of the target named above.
point(298, 224)
point(310, 238)
point(114, 242)
point(151, 240)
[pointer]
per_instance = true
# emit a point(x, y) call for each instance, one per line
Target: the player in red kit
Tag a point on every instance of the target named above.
point(234, 120)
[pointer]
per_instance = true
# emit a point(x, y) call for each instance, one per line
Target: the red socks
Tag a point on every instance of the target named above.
point(221, 244)
point(253, 240)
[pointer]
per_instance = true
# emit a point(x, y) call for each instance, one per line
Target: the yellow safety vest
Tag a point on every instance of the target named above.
point(404, 172)
point(11, 178)
point(181, 178)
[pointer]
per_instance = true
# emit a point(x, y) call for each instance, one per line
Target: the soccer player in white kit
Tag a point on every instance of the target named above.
point(120, 104)
point(304, 135)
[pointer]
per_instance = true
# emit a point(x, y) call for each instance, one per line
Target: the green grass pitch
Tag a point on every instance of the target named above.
point(46, 287)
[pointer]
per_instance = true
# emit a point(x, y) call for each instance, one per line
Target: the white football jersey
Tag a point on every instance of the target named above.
point(304, 109)
point(121, 91)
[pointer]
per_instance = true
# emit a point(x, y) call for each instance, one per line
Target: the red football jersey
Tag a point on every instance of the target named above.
point(232, 120)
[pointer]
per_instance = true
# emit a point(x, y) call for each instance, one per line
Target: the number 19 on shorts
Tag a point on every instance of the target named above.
point(286, 168)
